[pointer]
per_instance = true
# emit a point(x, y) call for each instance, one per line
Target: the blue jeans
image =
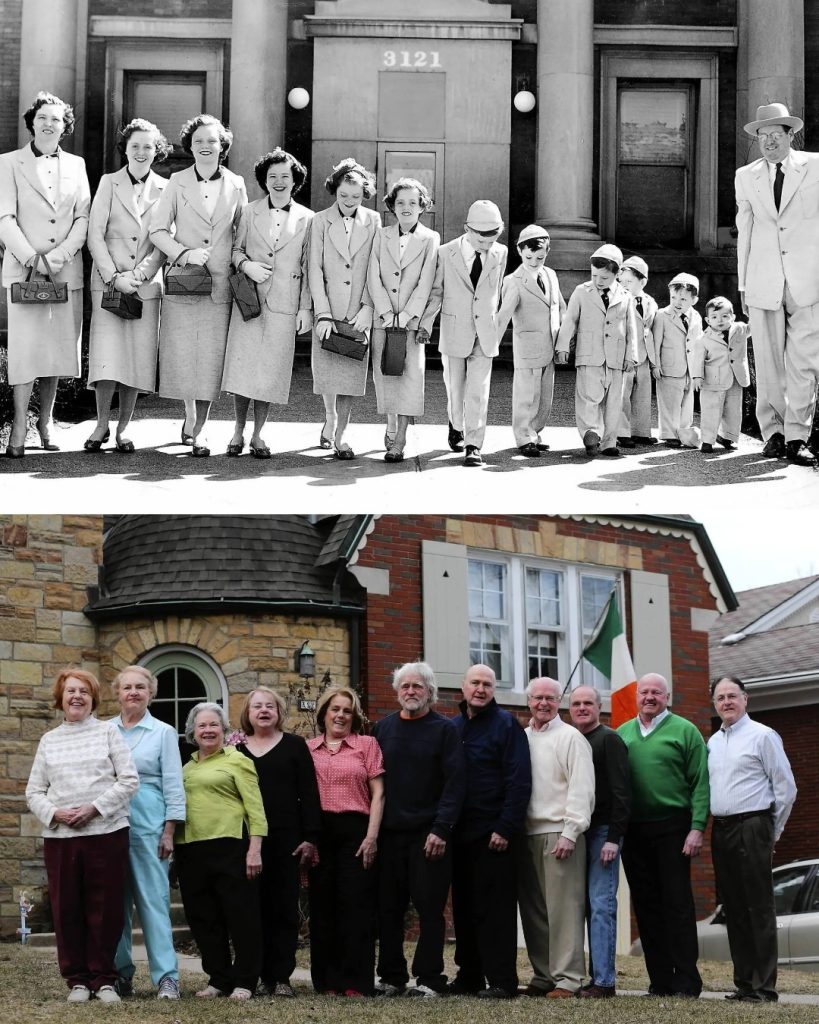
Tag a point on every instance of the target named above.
point(601, 908)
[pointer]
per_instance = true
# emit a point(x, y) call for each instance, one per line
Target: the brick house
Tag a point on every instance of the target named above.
point(216, 605)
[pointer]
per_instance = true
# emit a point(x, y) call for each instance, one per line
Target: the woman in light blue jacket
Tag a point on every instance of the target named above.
point(155, 809)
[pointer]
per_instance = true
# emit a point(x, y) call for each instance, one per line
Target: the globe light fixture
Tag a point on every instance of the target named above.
point(298, 98)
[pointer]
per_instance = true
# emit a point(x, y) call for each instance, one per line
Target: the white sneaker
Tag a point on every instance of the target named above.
point(79, 994)
point(168, 988)
point(423, 992)
point(209, 992)
point(240, 993)
point(108, 994)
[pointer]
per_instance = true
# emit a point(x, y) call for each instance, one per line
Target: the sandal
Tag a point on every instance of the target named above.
point(344, 452)
point(260, 451)
point(235, 449)
point(125, 446)
point(325, 442)
point(92, 446)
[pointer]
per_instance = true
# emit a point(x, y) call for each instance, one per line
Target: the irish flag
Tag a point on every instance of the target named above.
point(608, 651)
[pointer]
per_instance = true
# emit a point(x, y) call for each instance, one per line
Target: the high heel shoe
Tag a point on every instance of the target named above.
point(45, 440)
point(15, 451)
point(325, 442)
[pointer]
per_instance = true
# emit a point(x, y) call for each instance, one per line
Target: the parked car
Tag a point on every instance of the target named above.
point(796, 893)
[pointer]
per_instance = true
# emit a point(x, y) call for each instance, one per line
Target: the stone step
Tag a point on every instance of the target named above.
point(181, 932)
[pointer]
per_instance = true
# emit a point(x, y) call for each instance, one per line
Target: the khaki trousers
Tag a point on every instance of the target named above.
point(636, 419)
point(598, 402)
point(675, 405)
point(532, 393)
point(721, 413)
point(467, 390)
point(552, 900)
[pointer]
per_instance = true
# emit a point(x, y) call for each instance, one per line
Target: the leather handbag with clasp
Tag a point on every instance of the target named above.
point(394, 353)
point(345, 340)
point(126, 307)
point(245, 295)
point(189, 279)
point(38, 291)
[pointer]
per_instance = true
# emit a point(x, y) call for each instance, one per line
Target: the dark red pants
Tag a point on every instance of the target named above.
point(86, 878)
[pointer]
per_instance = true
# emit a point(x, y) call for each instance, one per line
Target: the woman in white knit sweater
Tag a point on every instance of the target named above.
point(80, 786)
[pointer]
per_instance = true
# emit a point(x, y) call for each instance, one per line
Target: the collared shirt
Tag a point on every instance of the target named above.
point(749, 771)
point(787, 166)
point(277, 218)
point(403, 238)
point(655, 721)
point(48, 172)
point(536, 276)
point(344, 772)
point(210, 189)
point(222, 797)
point(161, 796)
point(468, 251)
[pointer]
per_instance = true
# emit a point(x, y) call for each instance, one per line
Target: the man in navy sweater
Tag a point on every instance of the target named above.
point(484, 879)
point(425, 779)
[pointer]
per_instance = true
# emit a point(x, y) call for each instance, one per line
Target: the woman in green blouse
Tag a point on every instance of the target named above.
point(218, 856)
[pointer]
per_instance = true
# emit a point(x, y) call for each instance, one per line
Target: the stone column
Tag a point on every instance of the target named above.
point(258, 83)
point(775, 56)
point(565, 126)
point(48, 53)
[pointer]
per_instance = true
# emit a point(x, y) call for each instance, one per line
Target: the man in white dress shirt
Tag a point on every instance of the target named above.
point(778, 268)
point(752, 792)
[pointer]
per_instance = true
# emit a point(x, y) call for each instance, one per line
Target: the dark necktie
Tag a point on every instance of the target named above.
point(604, 295)
point(639, 303)
point(684, 319)
point(779, 179)
point(475, 272)
point(540, 284)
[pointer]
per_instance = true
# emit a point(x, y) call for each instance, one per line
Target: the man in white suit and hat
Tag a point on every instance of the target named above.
point(778, 265)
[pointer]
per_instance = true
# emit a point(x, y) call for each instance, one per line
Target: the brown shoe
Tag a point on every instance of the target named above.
point(597, 992)
point(560, 993)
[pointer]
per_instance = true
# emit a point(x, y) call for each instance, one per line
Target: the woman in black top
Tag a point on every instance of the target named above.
point(287, 781)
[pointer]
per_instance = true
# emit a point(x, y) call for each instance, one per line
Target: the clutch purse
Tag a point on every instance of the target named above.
point(245, 295)
point(395, 351)
point(38, 291)
point(345, 340)
point(187, 280)
point(126, 307)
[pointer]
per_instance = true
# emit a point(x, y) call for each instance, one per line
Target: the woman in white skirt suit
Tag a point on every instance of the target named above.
point(271, 249)
point(402, 269)
point(44, 204)
point(122, 353)
point(194, 223)
point(341, 239)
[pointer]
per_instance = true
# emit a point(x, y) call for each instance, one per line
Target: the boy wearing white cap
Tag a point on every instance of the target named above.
point(531, 299)
point(466, 290)
point(600, 315)
point(635, 426)
point(677, 329)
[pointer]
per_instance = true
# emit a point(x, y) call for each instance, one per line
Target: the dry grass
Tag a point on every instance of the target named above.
point(32, 992)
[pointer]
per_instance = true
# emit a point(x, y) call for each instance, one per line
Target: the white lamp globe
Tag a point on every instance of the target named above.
point(524, 101)
point(298, 98)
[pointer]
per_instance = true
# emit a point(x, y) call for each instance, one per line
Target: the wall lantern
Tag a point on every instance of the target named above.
point(524, 101)
point(298, 98)
point(304, 661)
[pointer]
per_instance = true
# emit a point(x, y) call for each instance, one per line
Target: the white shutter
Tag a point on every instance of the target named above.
point(651, 624)
point(446, 611)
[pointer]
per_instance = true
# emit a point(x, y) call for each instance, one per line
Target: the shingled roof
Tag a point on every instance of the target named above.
point(774, 652)
point(164, 562)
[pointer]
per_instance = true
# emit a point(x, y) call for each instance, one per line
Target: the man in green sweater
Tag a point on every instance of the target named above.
point(669, 811)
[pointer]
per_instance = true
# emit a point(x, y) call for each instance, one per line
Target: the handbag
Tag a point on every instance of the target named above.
point(36, 291)
point(395, 350)
point(245, 295)
point(126, 307)
point(187, 280)
point(345, 340)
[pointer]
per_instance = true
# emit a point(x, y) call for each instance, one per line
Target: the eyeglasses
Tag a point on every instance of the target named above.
point(544, 700)
point(487, 234)
point(772, 136)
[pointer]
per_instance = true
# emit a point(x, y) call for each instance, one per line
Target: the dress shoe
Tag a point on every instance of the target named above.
point(799, 453)
point(530, 450)
point(187, 439)
point(344, 452)
point(455, 439)
point(706, 447)
point(473, 456)
point(200, 451)
point(259, 451)
point(535, 991)
point(597, 992)
point(15, 451)
point(541, 447)
point(611, 453)
point(394, 452)
point(457, 988)
point(92, 446)
point(45, 440)
point(626, 442)
point(672, 442)
point(641, 439)
point(325, 442)
point(591, 442)
point(730, 445)
point(774, 447)
point(560, 993)
point(125, 447)
point(495, 992)
point(745, 997)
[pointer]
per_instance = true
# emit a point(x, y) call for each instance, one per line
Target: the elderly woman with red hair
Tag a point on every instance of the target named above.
point(80, 785)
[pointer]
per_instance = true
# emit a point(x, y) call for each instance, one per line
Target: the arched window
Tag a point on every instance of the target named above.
point(186, 676)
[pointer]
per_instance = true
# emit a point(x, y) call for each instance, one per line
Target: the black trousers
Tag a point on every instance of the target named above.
point(484, 910)
point(742, 852)
point(405, 874)
point(659, 875)
point(279, 902)
point(342, 908)
point(222, 907)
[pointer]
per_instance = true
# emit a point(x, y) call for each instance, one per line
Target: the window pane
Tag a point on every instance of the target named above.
point(189, 684)
point(786, 888)
point(542, 654)
point(543, 590)
point(653, 126)
point(178, 691)
point(168, 101)
point(594, 594)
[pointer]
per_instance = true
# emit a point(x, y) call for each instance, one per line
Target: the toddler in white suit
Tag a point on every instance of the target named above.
point(676, 329)
point(720, 372)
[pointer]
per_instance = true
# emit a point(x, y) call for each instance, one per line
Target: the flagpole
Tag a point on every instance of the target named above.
point(592, 637)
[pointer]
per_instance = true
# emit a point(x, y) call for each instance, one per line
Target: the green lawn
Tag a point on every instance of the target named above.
point(31, 992)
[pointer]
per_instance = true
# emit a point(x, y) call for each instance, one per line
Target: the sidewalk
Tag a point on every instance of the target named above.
point(302, 477)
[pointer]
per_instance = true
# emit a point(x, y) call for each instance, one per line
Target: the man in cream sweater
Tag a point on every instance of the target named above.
point(552, 879)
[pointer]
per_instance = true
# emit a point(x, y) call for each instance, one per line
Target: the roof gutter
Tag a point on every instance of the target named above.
point(212, 606)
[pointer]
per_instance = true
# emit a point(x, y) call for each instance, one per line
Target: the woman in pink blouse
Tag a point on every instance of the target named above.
point(349, 770)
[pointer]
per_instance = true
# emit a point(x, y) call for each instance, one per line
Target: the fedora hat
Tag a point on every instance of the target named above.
point(773, 113)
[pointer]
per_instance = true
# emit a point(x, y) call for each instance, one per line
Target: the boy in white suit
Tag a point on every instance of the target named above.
point(720, 372)
point(600, 315)
point(635, 425)
point(676, 330)
point(531, 299)
point(466, 290)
